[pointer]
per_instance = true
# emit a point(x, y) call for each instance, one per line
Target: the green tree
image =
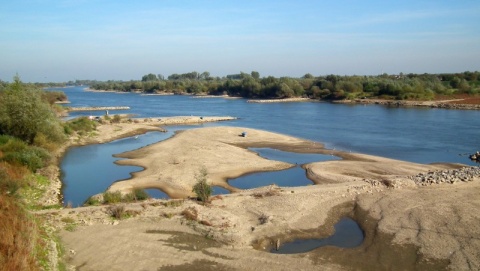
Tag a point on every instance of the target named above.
point(25, 115)
point(255, 75)
point(149, 77)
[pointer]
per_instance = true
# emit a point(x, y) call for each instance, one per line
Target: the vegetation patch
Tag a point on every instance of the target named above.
point(202, 189)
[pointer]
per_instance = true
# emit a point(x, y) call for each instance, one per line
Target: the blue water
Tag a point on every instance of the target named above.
point(156, 193)
point(348, 234)
point(89, 170)
point(413, 134)
point(295, 176)
point(420, 135)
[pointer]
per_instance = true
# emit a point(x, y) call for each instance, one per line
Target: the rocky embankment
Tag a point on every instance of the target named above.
point(466, 174)
point(430, 104)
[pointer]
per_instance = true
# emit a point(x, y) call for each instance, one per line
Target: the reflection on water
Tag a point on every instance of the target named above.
point(348, 234)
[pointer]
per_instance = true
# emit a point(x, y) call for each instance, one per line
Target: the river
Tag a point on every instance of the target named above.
point(419, 135)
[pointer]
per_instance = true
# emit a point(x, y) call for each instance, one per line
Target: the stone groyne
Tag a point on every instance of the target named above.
point(288, 100)
point(466, 174)
point(99, 108)
point(430, 104)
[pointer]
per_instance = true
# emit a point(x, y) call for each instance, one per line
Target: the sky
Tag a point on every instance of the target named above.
point(62, 40)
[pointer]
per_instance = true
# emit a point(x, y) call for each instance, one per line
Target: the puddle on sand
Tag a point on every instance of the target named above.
point(295, 176)
point(348, 234)
point(218, 190)
point(157, 193)
point(378, 251)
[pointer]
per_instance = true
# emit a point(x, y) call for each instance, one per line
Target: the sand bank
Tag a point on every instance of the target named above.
point(407, 226)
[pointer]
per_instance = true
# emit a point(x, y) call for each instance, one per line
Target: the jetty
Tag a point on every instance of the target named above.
point(98, 108)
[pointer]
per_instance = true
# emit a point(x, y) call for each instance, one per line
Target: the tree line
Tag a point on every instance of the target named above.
point(329, 87)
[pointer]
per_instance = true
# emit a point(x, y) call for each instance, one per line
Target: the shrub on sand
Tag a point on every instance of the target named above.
point(201, 188)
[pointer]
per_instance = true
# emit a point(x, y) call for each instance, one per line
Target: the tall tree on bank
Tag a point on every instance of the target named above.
point(25, 115)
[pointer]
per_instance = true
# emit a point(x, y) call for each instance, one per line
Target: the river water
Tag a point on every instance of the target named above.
point(419, 135)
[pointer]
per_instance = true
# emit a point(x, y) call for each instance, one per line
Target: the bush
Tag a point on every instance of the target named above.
point(24, 114)
point(7, 185)
point(202, 189)
point(11, 144)
point(137, 195)
point(82, 124)
point(112, 197)
point(92, 201)
point(32, 157)
point(116, 119)
point(117, 211)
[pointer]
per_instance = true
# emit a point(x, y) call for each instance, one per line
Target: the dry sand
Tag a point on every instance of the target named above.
point(406, 226)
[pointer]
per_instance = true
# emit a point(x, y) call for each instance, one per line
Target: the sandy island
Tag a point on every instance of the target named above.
point(407, 226)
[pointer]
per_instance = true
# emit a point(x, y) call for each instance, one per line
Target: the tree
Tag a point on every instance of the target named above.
point(149, 77)
point(201, 188)
point(205, 75)
point(255, 75)
point(308, 76)
point(25, 115)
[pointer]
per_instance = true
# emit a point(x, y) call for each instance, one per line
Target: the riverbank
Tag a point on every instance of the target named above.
point(464, 104)
point(180, 234)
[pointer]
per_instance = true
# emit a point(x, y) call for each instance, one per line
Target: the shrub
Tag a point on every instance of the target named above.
point(7, 185)
point(116, 119)
point(32, 157)
point(24, 114)
point(42, 141)
point(112, 197)
point(137, 195)
point(141, 194)
point(92, 201)
point(11, 144)
point(201, 188)
point(117, 211)
point(82, 124)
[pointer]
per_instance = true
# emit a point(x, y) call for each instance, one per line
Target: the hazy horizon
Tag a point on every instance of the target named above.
point(58, 41)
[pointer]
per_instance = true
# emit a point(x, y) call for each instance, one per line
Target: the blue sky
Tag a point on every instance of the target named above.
point(61, 40)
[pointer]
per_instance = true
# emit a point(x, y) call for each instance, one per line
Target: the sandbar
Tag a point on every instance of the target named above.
point(407, 226)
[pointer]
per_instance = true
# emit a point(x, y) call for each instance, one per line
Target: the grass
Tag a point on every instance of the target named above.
point(18, 236)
